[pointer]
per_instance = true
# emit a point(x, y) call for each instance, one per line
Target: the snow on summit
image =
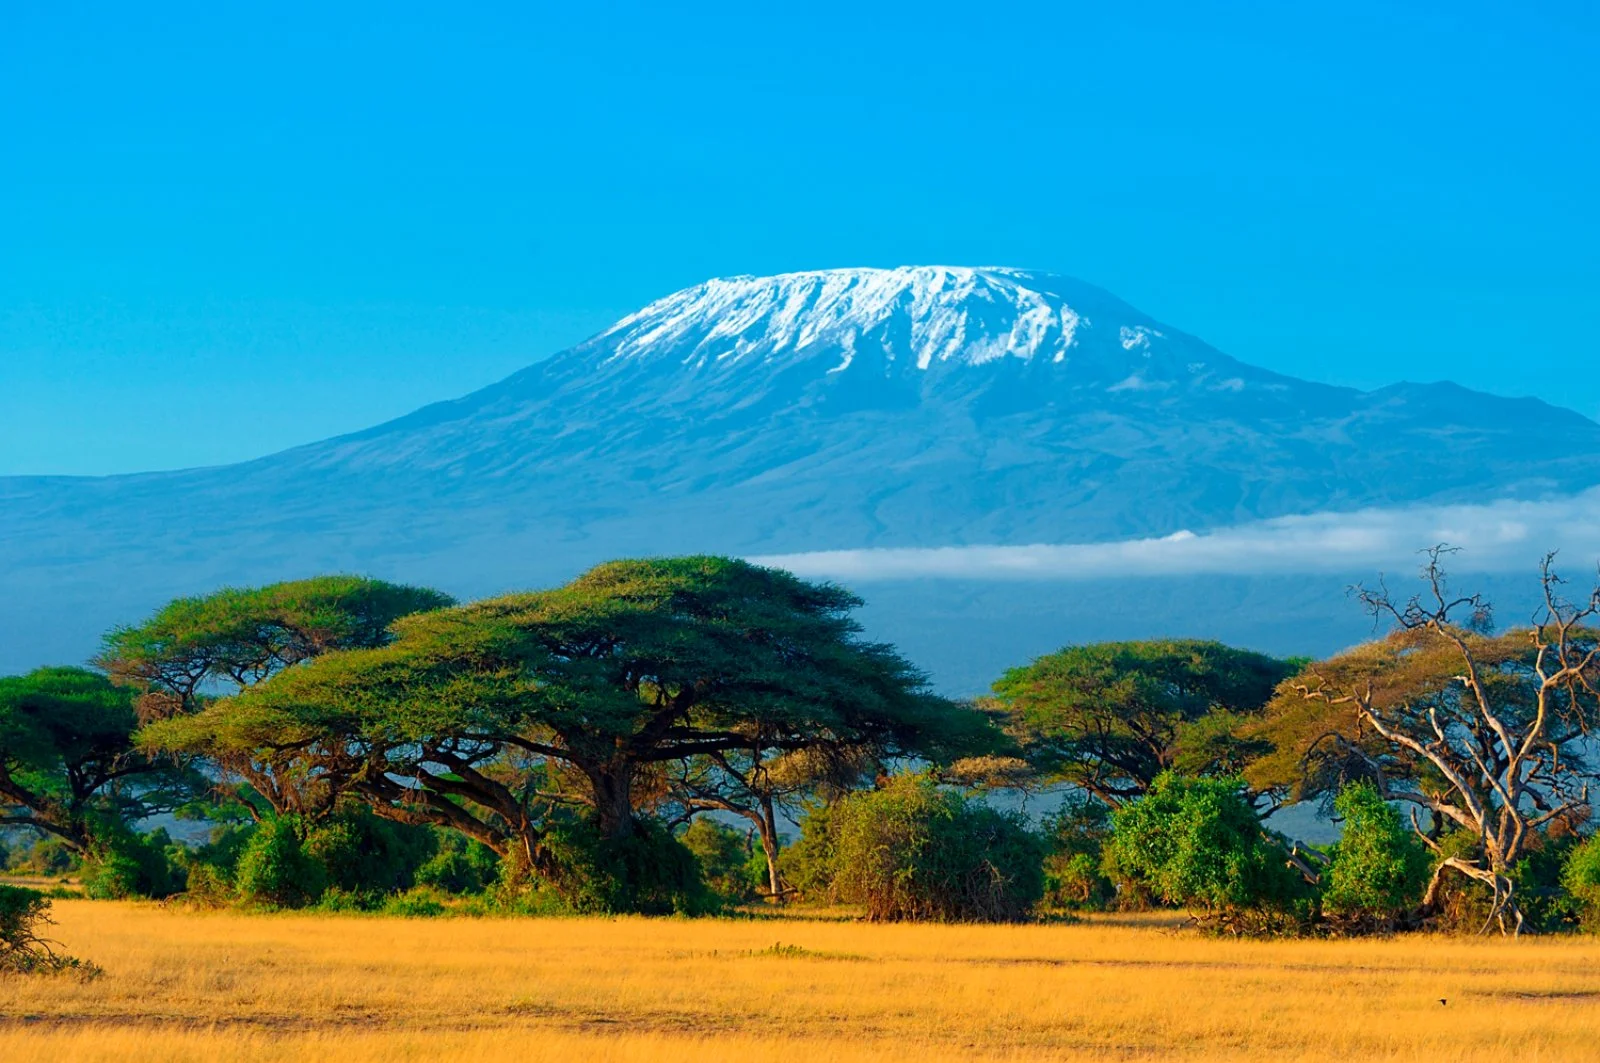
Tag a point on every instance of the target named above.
point(921, 316)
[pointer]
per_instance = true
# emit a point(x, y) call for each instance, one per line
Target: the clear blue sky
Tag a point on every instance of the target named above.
point(232, 228)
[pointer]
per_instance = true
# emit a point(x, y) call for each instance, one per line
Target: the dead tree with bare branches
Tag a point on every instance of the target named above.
point(1474, 731)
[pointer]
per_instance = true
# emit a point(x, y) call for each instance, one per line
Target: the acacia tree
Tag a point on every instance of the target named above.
point(68, 766)
point(1111, 717)
point(472, 712)
point(195, 649)
point(1484, 733)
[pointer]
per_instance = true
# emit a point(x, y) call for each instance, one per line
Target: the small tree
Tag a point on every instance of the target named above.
point(1111, 717)
point(1198, 843)
point(23, 950)
point(68, 767)
point(914, 850)
point(1378, 870)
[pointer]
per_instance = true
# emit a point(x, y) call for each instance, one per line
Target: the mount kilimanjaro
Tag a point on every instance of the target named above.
point(828, 410)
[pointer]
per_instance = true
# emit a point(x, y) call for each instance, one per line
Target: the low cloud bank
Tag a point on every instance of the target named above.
point(1505, 536)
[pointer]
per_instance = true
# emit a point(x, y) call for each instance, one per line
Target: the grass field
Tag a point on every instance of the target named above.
point(181, 985)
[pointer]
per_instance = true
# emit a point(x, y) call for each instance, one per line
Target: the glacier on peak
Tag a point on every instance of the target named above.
point(921, 316)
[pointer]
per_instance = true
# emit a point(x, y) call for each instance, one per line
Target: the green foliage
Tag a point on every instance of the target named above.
point(67, 761)
point(808, 864)
point(274, 868)
point(913, 850)
point(240, 636)
point(727, 858)
point(648, 871)
point(122, 863)
point(1378, 868)
point(1110, 717)
point(45, 856)
point(459, 865)
point(1198, 843)
point(23, 915)
point(419, 903)
point(1580, 877)
point(1074, 879)
point(359, 852)
point(632, 666)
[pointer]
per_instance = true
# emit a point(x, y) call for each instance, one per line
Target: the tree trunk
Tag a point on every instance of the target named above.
point(768, 827)
point(613, 799)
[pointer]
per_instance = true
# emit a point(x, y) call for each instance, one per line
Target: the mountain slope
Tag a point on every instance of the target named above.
point(921, 406)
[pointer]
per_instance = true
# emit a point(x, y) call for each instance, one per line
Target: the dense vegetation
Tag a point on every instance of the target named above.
point(684, 735)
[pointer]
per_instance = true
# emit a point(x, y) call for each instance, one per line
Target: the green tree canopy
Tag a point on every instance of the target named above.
point(195, 649)
point(475, 716)
point(1112, 716)
point(67, 762)
point(1379, 868)
point(1200, 844)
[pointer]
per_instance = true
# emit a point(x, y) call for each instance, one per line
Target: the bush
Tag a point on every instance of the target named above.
point(1198, 843)
point(274, 868)
point(648, 873)
point(1073, 878)
point(726, 858)
point(421, 902)
point(1580, 877)
point(360, 852)
point(1379, 869)
point(23, 914)
point(459, 865)
point(123, 864)
point(912, 850)
point(807, 865)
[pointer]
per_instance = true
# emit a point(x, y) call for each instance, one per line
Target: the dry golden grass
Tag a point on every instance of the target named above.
point(224, 986)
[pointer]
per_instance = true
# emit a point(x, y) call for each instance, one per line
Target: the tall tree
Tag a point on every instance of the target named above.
point(67, 763)
point(468, 717)
point(196, 649)
point(1110, 717)
point(1474, 732)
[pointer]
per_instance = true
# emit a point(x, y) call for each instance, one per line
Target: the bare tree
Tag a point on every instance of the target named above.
point(1481, 732)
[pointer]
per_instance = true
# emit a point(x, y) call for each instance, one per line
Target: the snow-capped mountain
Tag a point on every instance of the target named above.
point(836, 409)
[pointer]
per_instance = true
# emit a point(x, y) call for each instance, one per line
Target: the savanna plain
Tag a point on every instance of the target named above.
point(182, 985)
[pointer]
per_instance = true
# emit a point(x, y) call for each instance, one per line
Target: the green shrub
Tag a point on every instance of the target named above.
point(913, 850)
point(360, 852)
point(649, 872)
point(459, 865)
point(808, 864)
point(1378, 868)
point(725, 858)
point(1580, 877)
point(421, 902)
point(1198, 843)
point(274, 868)
point(123, 864)
point(1073, 877)
point(23, 915)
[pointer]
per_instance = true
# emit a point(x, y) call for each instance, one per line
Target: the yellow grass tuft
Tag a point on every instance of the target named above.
point(188, 986)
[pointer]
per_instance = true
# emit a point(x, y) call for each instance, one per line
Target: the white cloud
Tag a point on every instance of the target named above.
point(1505, 536)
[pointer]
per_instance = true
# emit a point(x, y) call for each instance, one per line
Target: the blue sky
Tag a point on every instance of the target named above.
point(228, 229)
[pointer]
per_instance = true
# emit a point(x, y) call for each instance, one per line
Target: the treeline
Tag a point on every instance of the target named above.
point(639, 739)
